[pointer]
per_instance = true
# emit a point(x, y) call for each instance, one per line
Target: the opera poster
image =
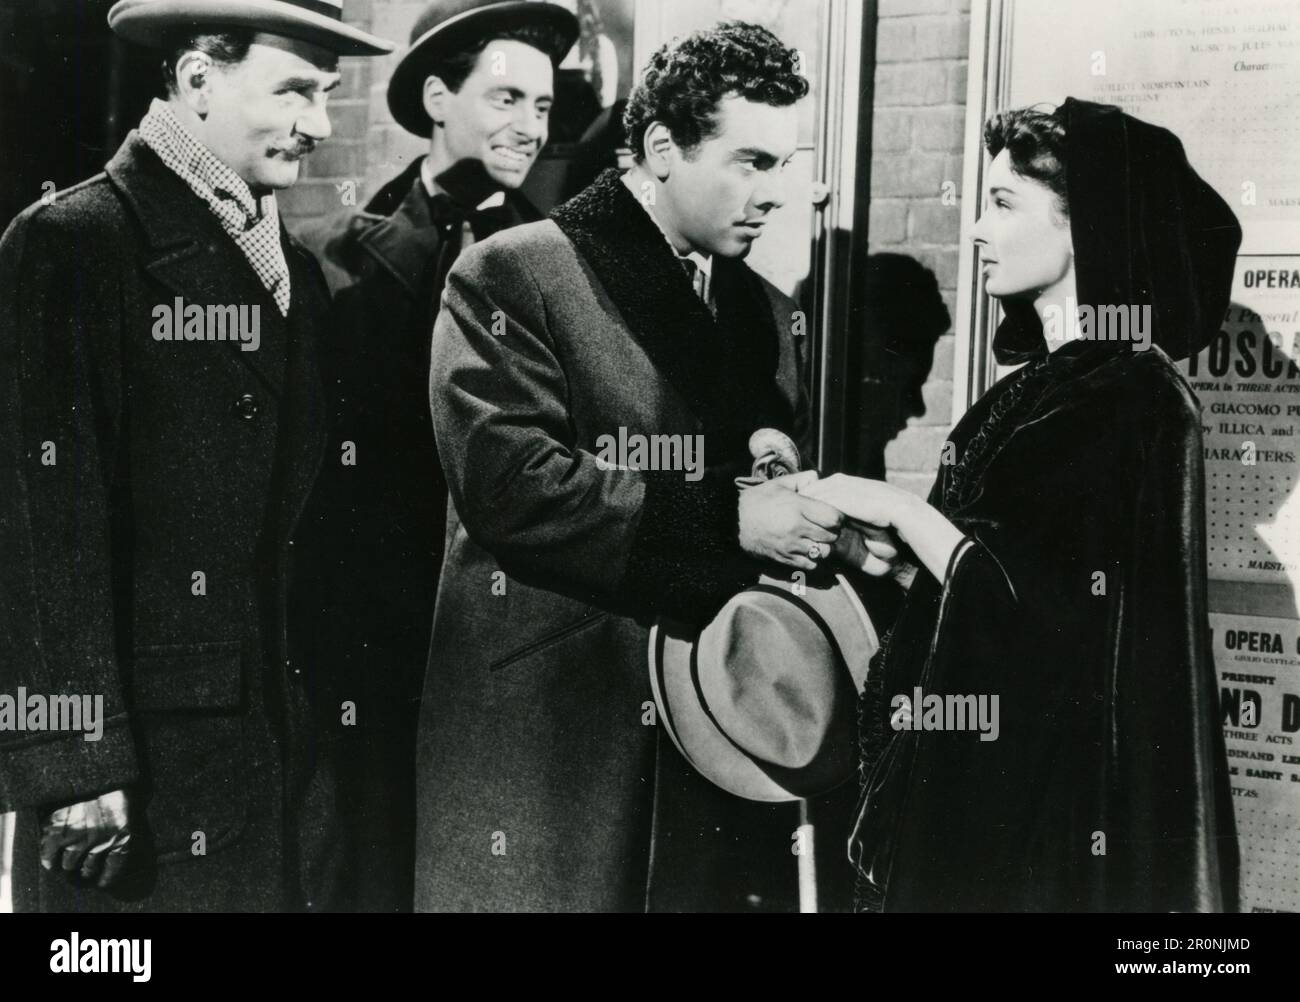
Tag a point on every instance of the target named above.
point(1258, 661)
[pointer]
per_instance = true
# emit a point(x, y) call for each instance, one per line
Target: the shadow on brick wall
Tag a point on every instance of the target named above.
point(902, 318)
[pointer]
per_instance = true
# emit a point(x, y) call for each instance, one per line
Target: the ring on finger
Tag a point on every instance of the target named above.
point(815, 551)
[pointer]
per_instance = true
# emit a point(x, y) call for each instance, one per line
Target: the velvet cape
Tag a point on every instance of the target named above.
point(1078, 598)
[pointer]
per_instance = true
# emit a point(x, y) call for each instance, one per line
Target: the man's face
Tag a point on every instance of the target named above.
point(268, 112)
point(719, 195)
point(501, 114)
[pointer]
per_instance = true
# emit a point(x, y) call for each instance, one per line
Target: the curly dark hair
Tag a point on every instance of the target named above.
point(1035, 142)
point(687, 78)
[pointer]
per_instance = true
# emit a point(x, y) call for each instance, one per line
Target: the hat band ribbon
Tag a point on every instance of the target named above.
point(334, 11)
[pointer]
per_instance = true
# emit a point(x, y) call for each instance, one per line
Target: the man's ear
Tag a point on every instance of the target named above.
point(194, 81)
point(436, 96)
point(660, 150)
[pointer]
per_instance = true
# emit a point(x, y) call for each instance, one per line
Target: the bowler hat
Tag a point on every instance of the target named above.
point(154, 22)
point(763, 700)
point(449, 26)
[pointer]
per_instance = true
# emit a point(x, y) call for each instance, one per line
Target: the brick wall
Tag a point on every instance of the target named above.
point(367, 148)
point(920, 98)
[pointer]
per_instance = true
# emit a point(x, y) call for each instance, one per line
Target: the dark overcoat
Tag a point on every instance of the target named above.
point(375, 523)
point(544, 782)
point(171, 459)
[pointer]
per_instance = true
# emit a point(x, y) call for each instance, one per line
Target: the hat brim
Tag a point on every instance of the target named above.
point(152, 23)
point(406, 86)
point(708, 749)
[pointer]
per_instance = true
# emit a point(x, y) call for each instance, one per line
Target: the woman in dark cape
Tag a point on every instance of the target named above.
point(1060, 560)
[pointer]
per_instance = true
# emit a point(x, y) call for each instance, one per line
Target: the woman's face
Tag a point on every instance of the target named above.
point(1024, 242)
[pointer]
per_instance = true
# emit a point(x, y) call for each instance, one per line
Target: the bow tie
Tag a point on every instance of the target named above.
point(447, 214)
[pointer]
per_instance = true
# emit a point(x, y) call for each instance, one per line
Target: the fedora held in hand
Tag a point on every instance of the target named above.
point(762, 700)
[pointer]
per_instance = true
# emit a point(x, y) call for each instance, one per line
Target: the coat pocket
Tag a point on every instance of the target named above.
point(189, 702)
point(547, 640)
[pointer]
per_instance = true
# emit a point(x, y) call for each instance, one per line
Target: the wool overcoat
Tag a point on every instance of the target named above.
point(149, 491)
point(544, 782)
point(375, 525)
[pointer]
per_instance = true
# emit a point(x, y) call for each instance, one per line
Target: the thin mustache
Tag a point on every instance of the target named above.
point(300, 150)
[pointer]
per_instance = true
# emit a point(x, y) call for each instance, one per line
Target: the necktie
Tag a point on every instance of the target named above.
point(699, 281)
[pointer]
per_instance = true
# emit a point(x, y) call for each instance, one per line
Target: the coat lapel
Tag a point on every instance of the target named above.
point(406, 243)
point(191, 254)
point(303, 417)
point(724, 368)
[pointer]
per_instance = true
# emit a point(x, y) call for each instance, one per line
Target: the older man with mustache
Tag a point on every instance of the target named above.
point(150, 491)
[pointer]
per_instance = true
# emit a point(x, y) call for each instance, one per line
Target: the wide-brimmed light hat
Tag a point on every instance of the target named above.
point(763, 700)
point(154, 23)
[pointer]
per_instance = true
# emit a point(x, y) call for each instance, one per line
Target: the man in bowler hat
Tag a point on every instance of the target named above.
point(477, 83)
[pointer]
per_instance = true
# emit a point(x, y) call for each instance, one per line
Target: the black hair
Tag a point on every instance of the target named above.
point(224, 48)
point(687, 78)
point(1035, 143)
point(454, 69)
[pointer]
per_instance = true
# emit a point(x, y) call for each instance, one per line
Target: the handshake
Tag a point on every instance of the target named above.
point(801, 520)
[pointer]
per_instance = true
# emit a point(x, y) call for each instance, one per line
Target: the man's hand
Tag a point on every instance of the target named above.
point(92, 838)
point(778, 523)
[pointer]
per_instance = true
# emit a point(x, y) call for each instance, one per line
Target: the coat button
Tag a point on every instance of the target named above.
point(246, 407)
